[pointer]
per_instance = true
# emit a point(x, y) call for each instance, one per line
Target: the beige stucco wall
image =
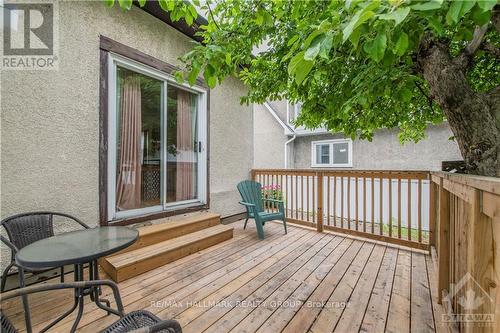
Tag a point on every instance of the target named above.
point(269, 140)
point(49, 128)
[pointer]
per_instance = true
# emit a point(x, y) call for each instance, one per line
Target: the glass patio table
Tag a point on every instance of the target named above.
point(77, 248)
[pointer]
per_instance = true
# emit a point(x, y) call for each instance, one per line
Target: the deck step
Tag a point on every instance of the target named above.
point(165, 229)
point(132, 263)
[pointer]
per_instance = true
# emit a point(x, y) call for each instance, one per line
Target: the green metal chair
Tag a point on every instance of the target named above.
point(251, 194)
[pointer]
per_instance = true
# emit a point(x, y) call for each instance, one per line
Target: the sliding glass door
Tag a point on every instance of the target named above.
point(156, 156)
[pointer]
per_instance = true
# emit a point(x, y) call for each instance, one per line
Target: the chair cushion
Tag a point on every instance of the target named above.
point(268, 216)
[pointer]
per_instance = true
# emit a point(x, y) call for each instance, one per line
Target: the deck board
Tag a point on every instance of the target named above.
point(285, 283)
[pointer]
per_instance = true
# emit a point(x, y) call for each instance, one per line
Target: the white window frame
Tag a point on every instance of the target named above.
point(331, 143)
point(115, 60)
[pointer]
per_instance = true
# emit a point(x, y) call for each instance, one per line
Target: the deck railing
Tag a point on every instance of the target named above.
point(467, 214)
point(391, 206)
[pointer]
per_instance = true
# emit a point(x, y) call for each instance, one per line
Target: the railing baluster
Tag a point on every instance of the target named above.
point(373, 205)
point(342, 201)
point(297, 198)
point(314, 179)
point(390, 206)
point(399, 208)
point(302, 198)
point(328, 201)
point(291, 195)
point(409, 209)
point(419, 212)
point(357, 205)
point(349, 202)
point(307, 198)
point(334, 201)
point(381, 190)
point(364, 204)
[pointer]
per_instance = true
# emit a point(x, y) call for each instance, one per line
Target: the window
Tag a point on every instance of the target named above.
point(156, 157)
point(332, 153)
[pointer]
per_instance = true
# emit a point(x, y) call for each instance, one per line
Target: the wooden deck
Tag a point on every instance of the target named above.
point(304, 281)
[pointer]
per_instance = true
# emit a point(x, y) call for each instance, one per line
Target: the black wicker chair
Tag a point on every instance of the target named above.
point(24, 229)
point(134, 322)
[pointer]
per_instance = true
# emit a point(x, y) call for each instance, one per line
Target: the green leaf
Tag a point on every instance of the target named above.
point(401, 44)
point(125, 4)
point(189, 19)
point(429, 5)
point(314, 49)
point(458, 9)
point(142, 3)
point(398, 15)
point(406, 94)
point(326, 46)
point(109, 3)
point(163, 4)
point(228, 58)
point(486, 5)
point(292, 40)
point(479, 17)
point(299, 67)
point(355, 22)
point(179, 77)
point(436, 24)
point(192, 11)
point(376, 48)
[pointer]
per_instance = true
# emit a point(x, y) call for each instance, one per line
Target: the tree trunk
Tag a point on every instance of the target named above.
point(474, 117)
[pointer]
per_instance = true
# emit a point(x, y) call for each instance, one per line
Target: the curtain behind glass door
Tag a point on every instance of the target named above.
point(182, 149)
point(138, 177)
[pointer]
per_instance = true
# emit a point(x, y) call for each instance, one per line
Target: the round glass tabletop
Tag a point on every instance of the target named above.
point(76, 247)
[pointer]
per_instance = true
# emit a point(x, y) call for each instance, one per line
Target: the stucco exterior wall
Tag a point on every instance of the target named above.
point(49, 136)
point(269, 140)
point(385, 152)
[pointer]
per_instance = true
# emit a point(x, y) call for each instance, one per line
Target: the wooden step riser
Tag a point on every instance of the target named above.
point(160, 236)
point(161, 259)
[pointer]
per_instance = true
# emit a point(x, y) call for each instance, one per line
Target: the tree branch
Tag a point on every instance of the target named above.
point(464, 59)
point(477, 39)
point(429, 98)
point(212, 15)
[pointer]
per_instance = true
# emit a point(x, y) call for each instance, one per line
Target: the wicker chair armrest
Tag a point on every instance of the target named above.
point(9, 244)
point(171, 325)
point(72, 218)
point(67, 285)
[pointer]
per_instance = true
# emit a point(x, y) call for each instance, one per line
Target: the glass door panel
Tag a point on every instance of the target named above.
point(138, 148)
point(182, 145)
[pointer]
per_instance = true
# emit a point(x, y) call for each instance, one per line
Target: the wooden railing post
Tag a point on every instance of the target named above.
point(319, 196)
point(444, 241)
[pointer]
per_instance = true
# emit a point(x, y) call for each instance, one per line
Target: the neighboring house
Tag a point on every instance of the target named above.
point(109, 136)
point(280, 144)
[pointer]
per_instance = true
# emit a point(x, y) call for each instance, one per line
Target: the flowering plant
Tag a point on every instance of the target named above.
point(272, 192)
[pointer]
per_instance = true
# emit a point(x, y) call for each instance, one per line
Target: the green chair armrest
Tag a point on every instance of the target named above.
point(246, 204)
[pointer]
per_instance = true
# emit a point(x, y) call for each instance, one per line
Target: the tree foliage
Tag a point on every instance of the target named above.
point(351, 63)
